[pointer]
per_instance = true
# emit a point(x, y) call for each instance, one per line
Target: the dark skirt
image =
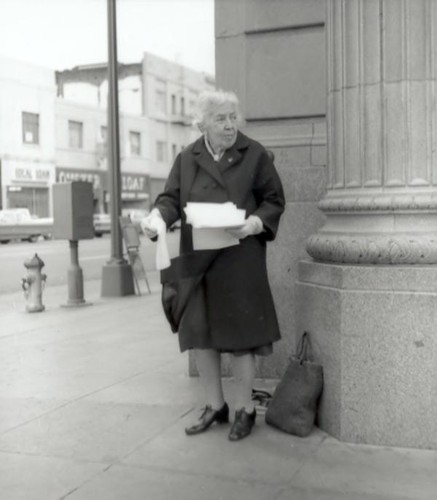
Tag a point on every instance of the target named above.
point(232, 310)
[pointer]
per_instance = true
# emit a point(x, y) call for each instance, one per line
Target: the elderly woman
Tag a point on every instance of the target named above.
point(224, 165)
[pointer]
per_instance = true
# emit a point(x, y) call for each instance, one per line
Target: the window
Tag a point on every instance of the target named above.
point(160, 101)
point(174, 151)
point(135, 143)
point(173, 104)
point(102, 146)
point(104, 134)
point(30, 128)
point(182, 106)
point(161, 148)
point(75, 134)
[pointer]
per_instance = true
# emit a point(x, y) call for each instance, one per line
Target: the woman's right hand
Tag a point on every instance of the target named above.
point(152, 224)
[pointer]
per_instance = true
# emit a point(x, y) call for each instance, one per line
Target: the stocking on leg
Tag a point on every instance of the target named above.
point(208, 364)
point(244, 375)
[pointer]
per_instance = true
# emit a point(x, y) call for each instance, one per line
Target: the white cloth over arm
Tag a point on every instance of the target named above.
point(154, 225)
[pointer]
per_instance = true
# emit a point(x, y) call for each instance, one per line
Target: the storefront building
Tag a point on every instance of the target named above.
point(27, 185)
point(156, 100)
point(134, 187)
point(27, 143)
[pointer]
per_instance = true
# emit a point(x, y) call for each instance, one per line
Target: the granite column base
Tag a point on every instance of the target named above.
point(374, 330)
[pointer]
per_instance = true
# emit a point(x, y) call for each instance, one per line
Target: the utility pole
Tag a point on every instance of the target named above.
point(117, 278)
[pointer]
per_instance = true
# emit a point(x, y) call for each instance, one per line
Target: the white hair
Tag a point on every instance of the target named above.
point(208, 101)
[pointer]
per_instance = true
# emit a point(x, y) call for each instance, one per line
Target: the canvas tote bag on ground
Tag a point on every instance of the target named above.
point(293, 407)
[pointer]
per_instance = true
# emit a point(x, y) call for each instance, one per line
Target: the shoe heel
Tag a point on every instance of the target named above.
point(223, 417)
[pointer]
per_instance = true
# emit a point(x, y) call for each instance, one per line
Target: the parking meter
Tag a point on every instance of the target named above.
point(73, 221)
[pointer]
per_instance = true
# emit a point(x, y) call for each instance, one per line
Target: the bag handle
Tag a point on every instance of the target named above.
point(304, 348)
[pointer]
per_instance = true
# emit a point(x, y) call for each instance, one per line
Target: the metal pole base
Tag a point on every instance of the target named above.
point(35, 309)
point(117, 279)
point(75, 279)
point(76, 303)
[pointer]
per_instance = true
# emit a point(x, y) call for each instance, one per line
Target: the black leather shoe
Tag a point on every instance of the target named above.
point(242, 425)
point(208, 417)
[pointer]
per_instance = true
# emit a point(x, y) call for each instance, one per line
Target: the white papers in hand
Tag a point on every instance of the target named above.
point(210, 220)
point(214, 215)
point(213, 239)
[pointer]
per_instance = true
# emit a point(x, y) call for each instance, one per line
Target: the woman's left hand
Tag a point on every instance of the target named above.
point(252, 225)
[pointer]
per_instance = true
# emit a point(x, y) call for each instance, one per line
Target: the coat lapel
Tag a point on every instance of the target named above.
point(233, 155)
point(230, 158)
point(205, 161)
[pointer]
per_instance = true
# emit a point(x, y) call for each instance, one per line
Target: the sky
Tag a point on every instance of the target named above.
point(61, 34)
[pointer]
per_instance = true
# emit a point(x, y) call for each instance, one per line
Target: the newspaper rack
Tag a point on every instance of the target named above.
point(132, 243)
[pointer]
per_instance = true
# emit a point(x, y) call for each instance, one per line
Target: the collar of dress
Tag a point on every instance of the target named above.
point(216, 157)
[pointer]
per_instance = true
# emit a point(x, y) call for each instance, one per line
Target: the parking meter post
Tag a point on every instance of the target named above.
point(75, 277)
point(73, 221)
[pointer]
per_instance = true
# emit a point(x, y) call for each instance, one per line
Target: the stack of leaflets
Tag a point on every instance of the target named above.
point(210, 222)
point(214, 215)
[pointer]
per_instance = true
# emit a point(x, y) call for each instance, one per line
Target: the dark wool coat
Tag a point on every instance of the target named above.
point(233, 308)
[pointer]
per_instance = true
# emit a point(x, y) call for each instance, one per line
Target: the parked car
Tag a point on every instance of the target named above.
point(20, 224)
point(102, 224)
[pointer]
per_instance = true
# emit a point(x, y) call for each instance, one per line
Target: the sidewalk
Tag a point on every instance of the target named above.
point(94, 400)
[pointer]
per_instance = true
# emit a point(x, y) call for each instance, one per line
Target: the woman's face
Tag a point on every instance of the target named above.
point(221, 126)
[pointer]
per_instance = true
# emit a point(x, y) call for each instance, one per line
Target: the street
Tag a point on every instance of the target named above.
point(56, 256)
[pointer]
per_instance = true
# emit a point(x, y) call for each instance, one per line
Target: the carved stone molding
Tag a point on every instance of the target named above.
point(384, 203)
point(373, 249)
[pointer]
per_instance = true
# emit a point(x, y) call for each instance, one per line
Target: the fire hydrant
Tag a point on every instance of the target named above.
point(33, 284)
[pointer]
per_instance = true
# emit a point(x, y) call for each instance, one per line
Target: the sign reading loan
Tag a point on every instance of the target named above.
point(31, 174)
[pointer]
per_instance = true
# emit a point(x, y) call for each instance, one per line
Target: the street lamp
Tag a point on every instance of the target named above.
point(117, 278)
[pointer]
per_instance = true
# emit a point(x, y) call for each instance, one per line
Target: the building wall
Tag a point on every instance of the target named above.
point(89, 162)
point(158, 89)
point(272, 54)
point(169, 94)
point(88, 84)
point(27, 169)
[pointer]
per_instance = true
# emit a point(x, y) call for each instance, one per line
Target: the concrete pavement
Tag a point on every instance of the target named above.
point(94, 400)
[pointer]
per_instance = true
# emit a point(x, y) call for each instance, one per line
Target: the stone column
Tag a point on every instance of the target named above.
point(381, 203)
point(369, 298)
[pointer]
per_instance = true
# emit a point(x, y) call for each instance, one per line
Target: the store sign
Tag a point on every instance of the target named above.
point(133, 186)
point(70, 175)
point(132, 183)
point(24, 174)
